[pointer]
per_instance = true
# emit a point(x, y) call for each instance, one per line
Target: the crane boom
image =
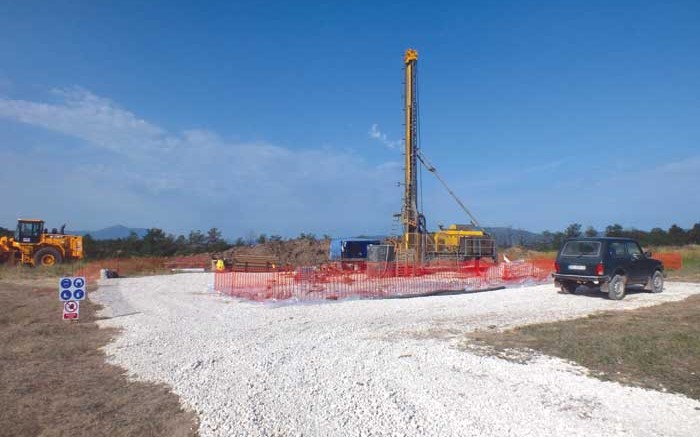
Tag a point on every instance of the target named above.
point(431, 168)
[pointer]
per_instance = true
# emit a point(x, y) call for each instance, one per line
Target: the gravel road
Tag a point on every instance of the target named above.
point(375, 368)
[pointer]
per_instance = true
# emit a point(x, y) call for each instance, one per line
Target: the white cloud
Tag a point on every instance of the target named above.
point(96, 120)
point(376, 134)
point(146, 175)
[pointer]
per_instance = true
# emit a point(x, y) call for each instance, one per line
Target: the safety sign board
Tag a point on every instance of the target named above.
point(71, 289)
point(71, 310)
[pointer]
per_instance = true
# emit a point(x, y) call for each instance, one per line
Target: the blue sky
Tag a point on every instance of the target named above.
point(287, 117)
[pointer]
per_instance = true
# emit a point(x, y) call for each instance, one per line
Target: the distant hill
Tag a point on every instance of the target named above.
point(514, 237)
point(113, 232)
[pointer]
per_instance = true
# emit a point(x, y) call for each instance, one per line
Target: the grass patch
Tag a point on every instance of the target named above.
point(20, 272)
point(691, 263)
point(55, 381)
point(656, 347)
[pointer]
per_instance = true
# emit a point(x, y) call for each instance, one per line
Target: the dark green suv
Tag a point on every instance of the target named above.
point(610, 262)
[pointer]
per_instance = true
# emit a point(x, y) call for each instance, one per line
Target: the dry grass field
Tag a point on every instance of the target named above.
point(656, 347)
point(55, 381)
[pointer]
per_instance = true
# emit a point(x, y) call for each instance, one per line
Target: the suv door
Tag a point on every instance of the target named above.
point(617, 256)
point(638, 262)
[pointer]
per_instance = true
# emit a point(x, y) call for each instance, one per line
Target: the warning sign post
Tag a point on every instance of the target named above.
point(71, 291)
point(71, 310)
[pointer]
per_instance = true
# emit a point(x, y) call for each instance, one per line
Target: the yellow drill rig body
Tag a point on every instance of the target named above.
point(457, 242)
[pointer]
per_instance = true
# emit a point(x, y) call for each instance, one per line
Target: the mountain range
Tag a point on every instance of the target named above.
point(504, 236)
point(112, 232)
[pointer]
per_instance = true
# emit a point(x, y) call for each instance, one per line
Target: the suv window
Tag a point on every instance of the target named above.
point(617, 249)
point(581, 248)
point(633, 249)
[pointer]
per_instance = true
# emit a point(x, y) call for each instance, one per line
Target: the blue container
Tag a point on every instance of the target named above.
point(350, 248)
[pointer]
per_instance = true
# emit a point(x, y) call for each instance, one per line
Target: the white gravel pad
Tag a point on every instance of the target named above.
point(375, 368)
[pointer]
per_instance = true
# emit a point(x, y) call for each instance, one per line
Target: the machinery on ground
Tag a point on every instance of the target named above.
point(34, 245)
point(456, 242)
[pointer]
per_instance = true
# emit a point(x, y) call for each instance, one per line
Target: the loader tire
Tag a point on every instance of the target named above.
point(47, 256)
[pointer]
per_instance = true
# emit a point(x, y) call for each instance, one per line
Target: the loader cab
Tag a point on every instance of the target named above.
point(29, 231)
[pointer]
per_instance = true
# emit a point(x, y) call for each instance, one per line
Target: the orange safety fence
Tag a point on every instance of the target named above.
point(671, 260)
point(378, 280)
point(125, 266)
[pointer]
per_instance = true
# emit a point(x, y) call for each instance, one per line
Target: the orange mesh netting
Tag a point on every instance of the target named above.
point(671, 260)
point(378, 280)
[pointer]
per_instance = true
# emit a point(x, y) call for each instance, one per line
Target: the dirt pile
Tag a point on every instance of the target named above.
point(297, 252)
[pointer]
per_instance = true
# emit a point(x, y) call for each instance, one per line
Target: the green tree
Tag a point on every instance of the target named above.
point(158, 243)
point(591, 232)
point(308, 237)
point(181, 246)
point(262, 239)
point(694, 234)
point(573, 231)
point(131, 245)
point(546, 242)
point(91, 249)
point(196, 241)
point(213, 236)
point(677, 236)
point(614, 230)
point(657, 237)
point(558, 240)
point(215, 241)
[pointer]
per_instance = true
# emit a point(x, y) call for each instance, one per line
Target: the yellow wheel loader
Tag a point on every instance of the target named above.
point(34, 245)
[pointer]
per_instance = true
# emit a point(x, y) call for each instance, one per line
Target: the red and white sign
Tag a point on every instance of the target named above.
point(71, 310)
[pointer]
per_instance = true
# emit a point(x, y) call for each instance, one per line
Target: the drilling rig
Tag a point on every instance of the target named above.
point(456, 242)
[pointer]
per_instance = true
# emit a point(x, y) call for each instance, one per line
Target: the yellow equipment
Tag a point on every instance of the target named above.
point(457, 242)
point(33, 245)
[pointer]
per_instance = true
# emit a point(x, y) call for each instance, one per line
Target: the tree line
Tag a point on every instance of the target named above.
point(157, 242)
point(673, 236)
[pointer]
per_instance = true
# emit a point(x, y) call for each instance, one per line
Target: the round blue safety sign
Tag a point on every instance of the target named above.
point(65, 283)
point(66, 294)
point(78, 294)
point(78, 282)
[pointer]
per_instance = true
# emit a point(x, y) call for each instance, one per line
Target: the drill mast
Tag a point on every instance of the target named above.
point(410, 215)
point(457, 242)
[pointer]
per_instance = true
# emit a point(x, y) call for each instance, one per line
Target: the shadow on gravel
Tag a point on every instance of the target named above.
point(55, 381)
point(585, 291)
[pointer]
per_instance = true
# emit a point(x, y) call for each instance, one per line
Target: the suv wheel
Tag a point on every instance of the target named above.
point(616, 287)
point(657, 282)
